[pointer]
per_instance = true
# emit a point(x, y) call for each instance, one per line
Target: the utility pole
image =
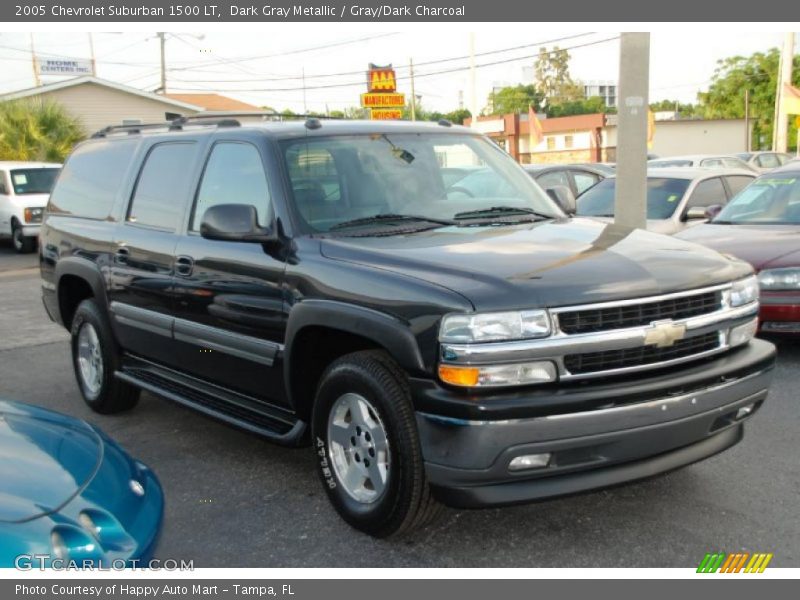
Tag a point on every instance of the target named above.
point(473, 105)
point(413, 95)
point(781, 127)
point(305, 106)
point(747, 120)
point(162, 38)
point(91, 55)
point(35, 65)
point(630, 201)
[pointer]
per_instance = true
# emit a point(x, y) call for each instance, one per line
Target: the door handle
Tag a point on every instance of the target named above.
point(184, 265)
point(121, 256)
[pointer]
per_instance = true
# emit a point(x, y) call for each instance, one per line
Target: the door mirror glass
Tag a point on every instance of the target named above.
point(234, 223)
point(564, 197)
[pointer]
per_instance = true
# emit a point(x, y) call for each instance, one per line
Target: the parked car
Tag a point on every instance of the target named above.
point(319, 283)
point(577, 178)
point(762, 226)
point(69, 493)
point(677, 198)
point(765, 161)
point(24, 189)
point(701, 160)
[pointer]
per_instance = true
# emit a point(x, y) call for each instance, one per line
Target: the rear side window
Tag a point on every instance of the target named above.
point(90, 180)
point(234, 174)
point(553, 178)
point(162, 188)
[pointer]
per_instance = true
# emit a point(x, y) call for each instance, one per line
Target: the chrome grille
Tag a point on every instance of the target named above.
point(610, 360)
point(591, 320)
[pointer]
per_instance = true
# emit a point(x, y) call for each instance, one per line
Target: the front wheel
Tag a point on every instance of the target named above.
point(368, 450)
point(22, 244)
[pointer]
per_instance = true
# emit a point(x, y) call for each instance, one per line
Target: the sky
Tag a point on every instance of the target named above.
point(265, 67)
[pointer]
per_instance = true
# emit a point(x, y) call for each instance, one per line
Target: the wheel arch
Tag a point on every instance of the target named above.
point(319, 331)
point(77, 279)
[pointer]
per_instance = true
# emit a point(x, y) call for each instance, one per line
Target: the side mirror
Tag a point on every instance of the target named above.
point(713, 210)
point(695, 213)
point(564, 198)
point(234, 223)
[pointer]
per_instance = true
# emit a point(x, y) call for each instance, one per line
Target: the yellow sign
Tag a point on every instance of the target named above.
point(797, 122)
point(372, 100)
point(381, 79)
point(385, 114)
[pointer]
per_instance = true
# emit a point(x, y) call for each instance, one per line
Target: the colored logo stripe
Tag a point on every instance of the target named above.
point(734, 563)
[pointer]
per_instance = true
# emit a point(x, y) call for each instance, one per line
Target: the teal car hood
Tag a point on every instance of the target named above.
point(46, 459)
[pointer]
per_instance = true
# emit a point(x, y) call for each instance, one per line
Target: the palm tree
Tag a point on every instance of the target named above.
point(37, 131)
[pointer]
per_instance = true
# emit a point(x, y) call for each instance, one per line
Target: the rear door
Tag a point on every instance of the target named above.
point(143, 251)
point(229, 310)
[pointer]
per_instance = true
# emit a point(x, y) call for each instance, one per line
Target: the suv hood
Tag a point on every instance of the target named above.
point(546, 264)
point(757, 244)
point(45, 460)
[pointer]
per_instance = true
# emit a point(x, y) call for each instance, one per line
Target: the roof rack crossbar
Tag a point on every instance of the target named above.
point(173, 125)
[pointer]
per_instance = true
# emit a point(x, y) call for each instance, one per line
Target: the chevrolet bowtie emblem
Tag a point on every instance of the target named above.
point(664, 334)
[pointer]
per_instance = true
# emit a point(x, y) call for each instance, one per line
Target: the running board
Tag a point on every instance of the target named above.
point(272, 422)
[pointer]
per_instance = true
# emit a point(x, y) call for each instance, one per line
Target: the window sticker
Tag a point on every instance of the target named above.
point(775, 181)
point(672, 197)
point(20, 179)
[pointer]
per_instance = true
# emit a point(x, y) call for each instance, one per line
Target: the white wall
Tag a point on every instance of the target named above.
point(673, 138)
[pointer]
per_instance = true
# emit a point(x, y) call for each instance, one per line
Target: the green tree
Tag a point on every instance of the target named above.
point(37, 131)
point(757, 73)
point(552, 78)
point(457, 116)
point(583, 106)
point(684, 110)
point(514, 99)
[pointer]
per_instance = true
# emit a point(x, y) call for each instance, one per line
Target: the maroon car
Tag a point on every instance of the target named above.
point(761, 225)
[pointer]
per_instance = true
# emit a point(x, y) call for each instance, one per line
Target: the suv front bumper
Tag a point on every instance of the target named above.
point(686, 417)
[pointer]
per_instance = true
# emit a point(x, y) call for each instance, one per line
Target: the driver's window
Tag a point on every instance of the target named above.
point(234, 174)
point(707, 193)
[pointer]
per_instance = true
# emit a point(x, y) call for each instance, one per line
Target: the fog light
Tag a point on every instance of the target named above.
point(529, 461)
point(745, 411)
point(498, 375)
point(743, 333)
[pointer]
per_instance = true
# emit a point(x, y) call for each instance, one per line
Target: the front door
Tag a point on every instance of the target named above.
point(229, 309)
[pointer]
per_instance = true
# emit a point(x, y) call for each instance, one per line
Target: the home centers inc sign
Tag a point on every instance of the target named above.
point(382, 98)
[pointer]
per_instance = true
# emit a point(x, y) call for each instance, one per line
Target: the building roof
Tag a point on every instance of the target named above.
point(88, 79)
point(213, 102)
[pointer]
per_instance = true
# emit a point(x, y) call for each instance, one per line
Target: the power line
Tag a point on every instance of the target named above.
point(399, 67)
point(420, 75)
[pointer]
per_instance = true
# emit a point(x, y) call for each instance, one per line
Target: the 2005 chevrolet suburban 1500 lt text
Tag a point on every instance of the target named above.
point(321, 283)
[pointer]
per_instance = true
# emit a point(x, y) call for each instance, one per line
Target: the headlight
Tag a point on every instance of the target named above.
point(33, 215)
point(495, 327)
point(780, 279)
point(744, 291)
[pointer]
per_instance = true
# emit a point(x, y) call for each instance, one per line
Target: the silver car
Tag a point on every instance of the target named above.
point(766, 160)
point(677, 198)
point(702, 160)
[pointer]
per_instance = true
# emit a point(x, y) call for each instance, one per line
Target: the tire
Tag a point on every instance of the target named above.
point(95, 358)
point(22, 244)
point(363, 398)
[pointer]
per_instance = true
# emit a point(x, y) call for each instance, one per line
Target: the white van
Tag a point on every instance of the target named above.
point(24, 191)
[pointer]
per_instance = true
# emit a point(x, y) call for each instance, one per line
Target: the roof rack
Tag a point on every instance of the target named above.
point(173, 125)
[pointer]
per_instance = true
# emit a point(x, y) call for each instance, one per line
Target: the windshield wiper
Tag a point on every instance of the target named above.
point(385, 218)
point(495, 211)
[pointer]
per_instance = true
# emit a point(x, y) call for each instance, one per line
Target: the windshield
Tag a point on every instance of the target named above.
point(663, 197)
point(338, 179)
point(33, 181)
point(768, 200)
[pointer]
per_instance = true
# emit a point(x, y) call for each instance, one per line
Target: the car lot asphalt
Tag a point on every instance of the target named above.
point(234, 500)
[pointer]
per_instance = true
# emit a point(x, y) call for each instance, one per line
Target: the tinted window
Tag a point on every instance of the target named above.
point(664, 194)
point(707, 192)
point(768, 200)
point(162, 187)
point(552, 178)
point(711, 162)
point(669, 163)
point(234, 174)
point(91, 178)
point(735, 163)
point(768, 161)
point(584, 180)
point(737, 183)
point(33, 181)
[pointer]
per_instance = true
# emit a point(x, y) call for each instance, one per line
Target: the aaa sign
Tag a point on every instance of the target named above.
point(381, 79)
